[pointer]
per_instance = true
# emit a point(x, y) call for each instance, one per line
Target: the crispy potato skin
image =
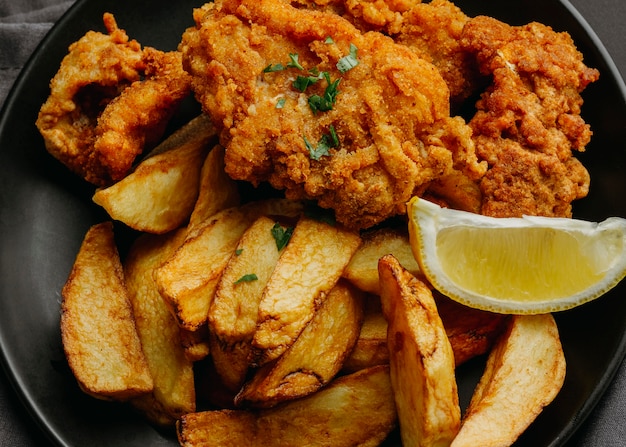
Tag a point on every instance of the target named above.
point(307, 270)
point(421, 359)
point(98, 329)
point(525, 371)
point(160, 194)
point(353, 410)
point(188, 279)
point(362, 270)
point(234, 311)
point(171, 370)
point(315, 357)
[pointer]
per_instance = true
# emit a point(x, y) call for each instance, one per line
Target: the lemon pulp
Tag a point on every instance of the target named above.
point(522, 265)
point(519, 264)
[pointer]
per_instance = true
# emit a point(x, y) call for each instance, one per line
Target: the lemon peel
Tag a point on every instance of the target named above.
point(526, 265)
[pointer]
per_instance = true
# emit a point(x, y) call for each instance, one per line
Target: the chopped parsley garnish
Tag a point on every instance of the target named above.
point(325, 103)
point(238, 251)
point(317, 103)
point(329, 40)
point(271, 68)
point(303, 82)
point(316, 152)
point(350, 61)
point(280, 103)
point(323, 147)
point(247, 278)
point(334, 139)
point(281, 235)
point(294, 63)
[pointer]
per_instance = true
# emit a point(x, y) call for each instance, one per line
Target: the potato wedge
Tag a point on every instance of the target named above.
point(471, 332)
point(217, 190)
point(362, 270)
point(235, 308)
point(525, 371)
point(370, 348)
point(198, 131)
point(315, 357)
point(188, 280)
point(195, 343)
point(308, 268)
point(174, 391)
point(97, 325)
point(159, 195)
point(354, 410)
point(421, 359)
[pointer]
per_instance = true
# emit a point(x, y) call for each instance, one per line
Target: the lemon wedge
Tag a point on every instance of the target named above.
point(526, 265)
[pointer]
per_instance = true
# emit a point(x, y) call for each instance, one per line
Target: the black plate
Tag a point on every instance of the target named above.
point(44, 213)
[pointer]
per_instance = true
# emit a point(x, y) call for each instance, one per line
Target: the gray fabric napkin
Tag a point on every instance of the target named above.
point(22, 26)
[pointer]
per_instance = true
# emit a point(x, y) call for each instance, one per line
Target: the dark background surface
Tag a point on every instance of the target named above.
point(605, 425)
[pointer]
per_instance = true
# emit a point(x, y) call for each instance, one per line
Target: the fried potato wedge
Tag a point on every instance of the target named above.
point(362, 270)
point(174, 390)
point(471, 332)
point(196, 343)
point(235, 308)
point(198, 131)
point(97, 325)
point(525, 371)
point(315, 357)
point(353, 410)
point(421, 359)
point(306, 271)
point(370, 348)
point(189, 279)
point(217, 190)
point(160, 194)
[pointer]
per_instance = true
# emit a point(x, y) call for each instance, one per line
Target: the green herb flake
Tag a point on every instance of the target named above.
point(325, 103)
point(316, 152)
point(333, 136)
point(294, 63)
point(327, 141)
point(281, 235)
point(247, 278)
point(303, 82)
point(329, 40)
point(280, 103)
point(272, 68)
point(350, 61)
point(238, 251)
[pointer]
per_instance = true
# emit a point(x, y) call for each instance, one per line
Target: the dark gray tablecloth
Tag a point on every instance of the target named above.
point(23, 23)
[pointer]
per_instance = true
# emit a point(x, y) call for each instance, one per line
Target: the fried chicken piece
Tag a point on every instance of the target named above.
point(434, 31)
point(97, 67)
point(109, 100)
point(389, 113)
point(528, 121)
point(137, 118)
